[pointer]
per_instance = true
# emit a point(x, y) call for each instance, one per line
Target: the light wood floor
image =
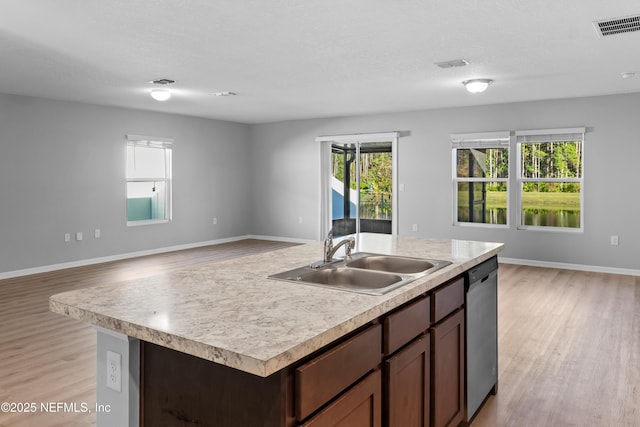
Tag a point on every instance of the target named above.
point(569, 349)
point(569, 343)
point(45, 357)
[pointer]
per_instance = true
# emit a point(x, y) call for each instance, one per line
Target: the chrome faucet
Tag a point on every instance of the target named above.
point(330, 250)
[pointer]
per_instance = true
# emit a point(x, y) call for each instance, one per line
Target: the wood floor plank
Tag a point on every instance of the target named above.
point(569, 342)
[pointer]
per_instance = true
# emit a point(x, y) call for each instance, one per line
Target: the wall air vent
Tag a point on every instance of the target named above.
point(613, 26)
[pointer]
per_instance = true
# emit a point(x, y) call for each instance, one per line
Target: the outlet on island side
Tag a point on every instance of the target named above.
point(114, 371)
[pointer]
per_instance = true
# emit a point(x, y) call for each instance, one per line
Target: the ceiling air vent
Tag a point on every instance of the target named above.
point(453, 63)
point(610, 27)
point(162, 81)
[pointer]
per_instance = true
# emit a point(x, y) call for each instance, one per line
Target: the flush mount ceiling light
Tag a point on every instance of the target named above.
point(477, 85)
point(161, 94)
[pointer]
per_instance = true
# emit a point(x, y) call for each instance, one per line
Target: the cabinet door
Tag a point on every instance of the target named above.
point(407, 376)
point(447, 343)
point(360, 406)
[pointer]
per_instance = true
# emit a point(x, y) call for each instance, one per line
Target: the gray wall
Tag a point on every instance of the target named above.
point(62, 171)
point(287, 154)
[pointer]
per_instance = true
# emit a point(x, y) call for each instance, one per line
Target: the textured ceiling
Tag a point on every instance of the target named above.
point(289, 59)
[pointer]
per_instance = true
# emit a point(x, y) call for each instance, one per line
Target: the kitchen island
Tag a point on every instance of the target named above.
point(228, 336)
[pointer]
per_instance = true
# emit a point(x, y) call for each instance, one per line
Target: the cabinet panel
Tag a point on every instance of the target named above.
point(324, 377)
point(407, 376)
point(361, 406)
point(178, 389)
point(447, 343)
point(405, 324)
point(447, 299)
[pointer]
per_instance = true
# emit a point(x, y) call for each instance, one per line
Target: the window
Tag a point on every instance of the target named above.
point(480, 178)
point(148, 180)
point(550, 175)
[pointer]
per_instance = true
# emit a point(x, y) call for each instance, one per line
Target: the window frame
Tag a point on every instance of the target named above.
point(547, 136)
point(165, 144)
point(500, 139)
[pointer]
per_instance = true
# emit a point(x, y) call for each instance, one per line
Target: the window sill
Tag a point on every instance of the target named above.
point(480, 225)
point(147, 222)
point(551, 229)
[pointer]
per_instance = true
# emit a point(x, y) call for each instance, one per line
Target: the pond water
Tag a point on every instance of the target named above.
point(531, 217)
point(551, 218)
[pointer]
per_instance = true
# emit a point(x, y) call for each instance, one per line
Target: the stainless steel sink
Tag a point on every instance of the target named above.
point(367, 273)
point(394, 264)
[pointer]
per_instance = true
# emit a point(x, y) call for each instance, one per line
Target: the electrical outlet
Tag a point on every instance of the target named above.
point(97, 233)
point(415, 227)
point(78, 235)
point(114, 371)
point(215, 221)
point(67, 237)
point(615, 240)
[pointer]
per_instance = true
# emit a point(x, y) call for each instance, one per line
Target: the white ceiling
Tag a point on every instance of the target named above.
point(293, 59)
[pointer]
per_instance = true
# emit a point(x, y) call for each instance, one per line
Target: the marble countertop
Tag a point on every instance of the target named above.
point(230, 313)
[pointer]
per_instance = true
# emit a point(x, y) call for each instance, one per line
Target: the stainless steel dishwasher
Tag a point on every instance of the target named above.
point(481, 308)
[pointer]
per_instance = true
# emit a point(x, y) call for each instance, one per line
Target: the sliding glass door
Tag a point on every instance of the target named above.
point(358, 184)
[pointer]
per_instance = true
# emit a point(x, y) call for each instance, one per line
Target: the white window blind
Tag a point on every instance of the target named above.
point(550, 135)
point(480, 140)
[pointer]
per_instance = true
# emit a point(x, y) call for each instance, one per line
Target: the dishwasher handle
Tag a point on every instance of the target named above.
point(481, 271)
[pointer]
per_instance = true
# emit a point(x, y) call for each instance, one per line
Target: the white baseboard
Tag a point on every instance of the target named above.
point(566, 266)
point(83, 262)
point(280, 239)
point(80, 263)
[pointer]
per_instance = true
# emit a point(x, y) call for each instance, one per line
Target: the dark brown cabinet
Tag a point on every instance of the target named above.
point(329, 374)
point(447, 354)
point(408, 385)
point(405, 369)
point(360, 406)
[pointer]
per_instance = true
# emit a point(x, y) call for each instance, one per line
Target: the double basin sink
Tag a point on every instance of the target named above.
point(364, 272)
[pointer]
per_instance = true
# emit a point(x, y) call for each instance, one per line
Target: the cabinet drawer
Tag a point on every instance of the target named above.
point(405, 324)
point(447, 299)
point(361, 406)
point(319, 380)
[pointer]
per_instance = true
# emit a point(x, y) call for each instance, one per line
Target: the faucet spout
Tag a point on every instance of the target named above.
point(330, 250)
